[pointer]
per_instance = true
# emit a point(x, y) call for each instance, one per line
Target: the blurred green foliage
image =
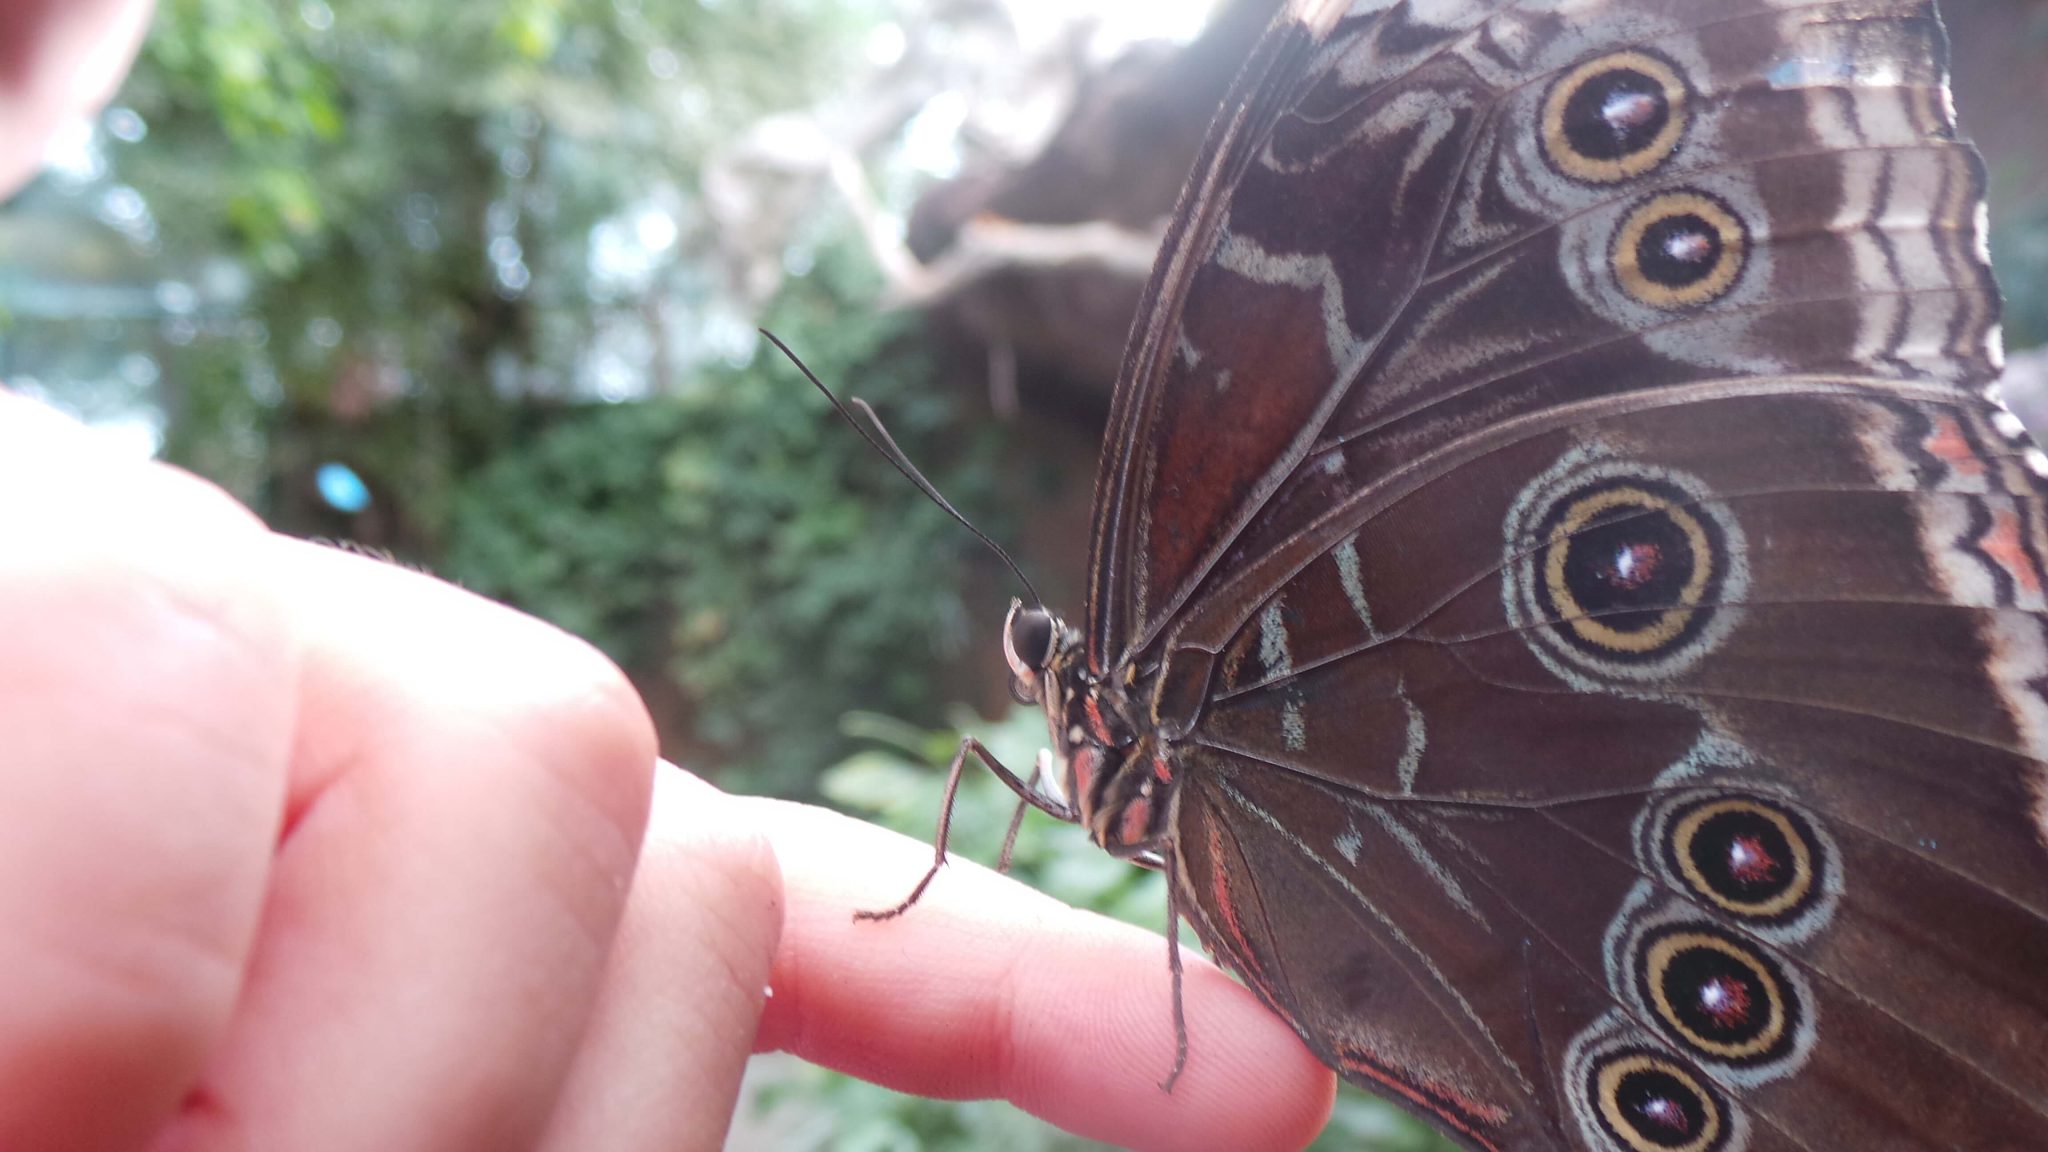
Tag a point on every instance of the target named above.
point(2019, 253)
point(741, 540)
point(292, 132)
point(398, 202)
point(900, 783)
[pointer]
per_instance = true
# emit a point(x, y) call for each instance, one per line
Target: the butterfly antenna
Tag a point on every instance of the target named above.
point(885, 444)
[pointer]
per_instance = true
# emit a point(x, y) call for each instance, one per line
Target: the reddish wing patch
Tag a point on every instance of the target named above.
point(1948, 444)
point(1219, 885)
point(1468, 1117)
point(2003, 545)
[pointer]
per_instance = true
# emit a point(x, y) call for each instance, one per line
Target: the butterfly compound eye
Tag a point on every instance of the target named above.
point(1027, 645)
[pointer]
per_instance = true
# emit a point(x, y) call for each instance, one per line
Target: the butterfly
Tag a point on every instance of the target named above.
point(1566, 605)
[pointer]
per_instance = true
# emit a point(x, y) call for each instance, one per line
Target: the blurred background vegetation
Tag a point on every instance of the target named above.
point(476, 284)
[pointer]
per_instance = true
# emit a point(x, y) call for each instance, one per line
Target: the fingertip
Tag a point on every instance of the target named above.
point(1249, 1083)
point(987, 988)
point(1265, 1091)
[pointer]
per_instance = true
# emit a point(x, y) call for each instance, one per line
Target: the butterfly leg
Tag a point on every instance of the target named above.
point(1180, 1011)
point(1016, 824)
point(1027, 792)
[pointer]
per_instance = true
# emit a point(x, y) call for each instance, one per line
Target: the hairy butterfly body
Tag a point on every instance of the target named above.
point(1567, 610)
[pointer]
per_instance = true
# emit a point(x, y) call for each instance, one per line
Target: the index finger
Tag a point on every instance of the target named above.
point(988, 988)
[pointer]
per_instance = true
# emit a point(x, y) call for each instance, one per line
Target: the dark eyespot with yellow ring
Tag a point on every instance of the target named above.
point(1648, 1102)
point(1680, 250)
point(1717, 995)
point(1750, 858)
point(1614, 117)
point(1630, 570)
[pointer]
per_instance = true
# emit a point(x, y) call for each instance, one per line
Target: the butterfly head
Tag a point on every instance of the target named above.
point(1031, 638)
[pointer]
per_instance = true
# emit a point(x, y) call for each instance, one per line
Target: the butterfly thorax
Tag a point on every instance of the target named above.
point(1118, 781)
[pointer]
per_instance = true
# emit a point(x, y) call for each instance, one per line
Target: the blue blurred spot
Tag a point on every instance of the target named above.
point(342, 488)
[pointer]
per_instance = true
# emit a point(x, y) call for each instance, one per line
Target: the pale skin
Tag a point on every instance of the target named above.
point(303, 850)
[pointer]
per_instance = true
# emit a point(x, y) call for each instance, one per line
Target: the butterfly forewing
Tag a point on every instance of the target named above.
point(1399, 258)
point(1120, 564)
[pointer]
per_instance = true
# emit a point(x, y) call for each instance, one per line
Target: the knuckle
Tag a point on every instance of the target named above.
point(587, 707)
point(577, 717)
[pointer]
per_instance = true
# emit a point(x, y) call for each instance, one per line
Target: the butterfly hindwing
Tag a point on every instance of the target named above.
point(1818, 609)
point(1421, 1008)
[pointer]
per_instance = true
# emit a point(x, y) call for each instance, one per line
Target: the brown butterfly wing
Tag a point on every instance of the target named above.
point(1379, 253)
point(1824, 777)
point(1129, 558)
point(1339, 928)
point(1554, 429)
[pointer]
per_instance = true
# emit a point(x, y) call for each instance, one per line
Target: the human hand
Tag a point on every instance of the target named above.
point(308, 851)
